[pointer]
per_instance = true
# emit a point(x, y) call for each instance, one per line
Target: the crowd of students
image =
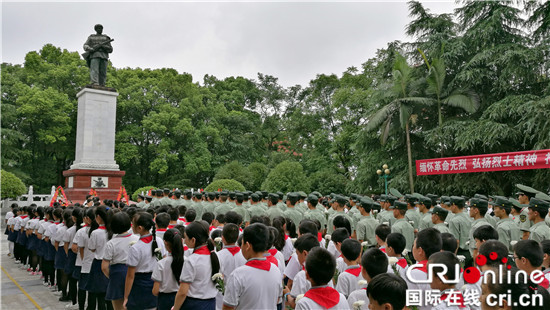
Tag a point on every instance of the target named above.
point(166, 255)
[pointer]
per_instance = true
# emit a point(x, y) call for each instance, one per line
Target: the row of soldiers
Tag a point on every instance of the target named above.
point(514, 219)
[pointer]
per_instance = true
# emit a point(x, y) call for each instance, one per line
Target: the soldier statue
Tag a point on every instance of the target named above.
point(97, 47)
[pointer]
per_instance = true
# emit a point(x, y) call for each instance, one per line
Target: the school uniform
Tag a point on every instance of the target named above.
point(301, 284)
point(347, 280)
point(322, 297)
point(67, 238)
point(98, 281)
point(7, 218)
point(87, 259)
point(140, 255)
point(169, 285)
point(197, 272)
point(116, 252)
point(451, 300)
point(359, 295)
point(227, 257)
point(160, 233)
point(288, 249)
point(256, 285)
point(293, 267)
point(60, 255)
point(332, 249)
point(277, 258)
point(340, 264)
point(42, 248)
point(50, 252)
point(416, 275)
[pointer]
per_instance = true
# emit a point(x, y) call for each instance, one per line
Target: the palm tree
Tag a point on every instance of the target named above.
point(436, 87)
point(402, 105)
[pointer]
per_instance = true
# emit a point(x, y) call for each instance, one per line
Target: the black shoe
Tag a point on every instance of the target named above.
point(64, 298)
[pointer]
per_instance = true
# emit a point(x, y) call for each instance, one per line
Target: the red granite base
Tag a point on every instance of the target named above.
point(82, 183)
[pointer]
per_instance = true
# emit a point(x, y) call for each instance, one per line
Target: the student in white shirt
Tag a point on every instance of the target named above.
point(451, 297)
point(197, 289)
point(70, 267)
point(98, 237)
point(168, 270)
point(49, 257)
point(12, 236)
point(257, 284)
point(387, 291)
point(79, 242)
point(347, 280)
point(138, 289)
point(114, 258)
point(374, 262)
point(61, 256)
point(320, 268)
point(338, 236)
point(300, 285)
point(227, 255)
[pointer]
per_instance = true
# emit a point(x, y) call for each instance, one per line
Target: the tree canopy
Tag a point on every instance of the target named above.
point(472, 82)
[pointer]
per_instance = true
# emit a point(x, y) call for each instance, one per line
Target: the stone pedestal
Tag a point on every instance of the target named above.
point(94, 165)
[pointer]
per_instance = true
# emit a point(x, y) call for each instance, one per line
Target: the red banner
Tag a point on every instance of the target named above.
point(538, 159)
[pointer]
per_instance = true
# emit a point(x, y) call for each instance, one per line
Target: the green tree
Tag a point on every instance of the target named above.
point(285, 177)
point(12, 186)
point(235, 170)
point(258, 172)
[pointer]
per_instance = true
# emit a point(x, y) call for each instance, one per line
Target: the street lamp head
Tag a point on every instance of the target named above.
point(385, 167)
point(379, 172)
point(387, 171)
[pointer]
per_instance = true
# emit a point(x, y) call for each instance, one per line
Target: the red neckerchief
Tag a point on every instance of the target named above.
point(147, 238)
point(162, 229)
point(272, 252)
point(181, 219)
point(354, 271)
point(240, 229)
point(457, 294)
point(101, 227)
point(262, 264)
point(57, 223)
point(185, 248)
point(24, 216)
point(402, 262)
point(171, 226)
point(273, 260)
point(326, 297)
point(234, 250)
point(319, 237)
point(545, 283)
point(286, 237)
point(203, 250)
point(212, 228)
point(383, 249)
point(424, 267)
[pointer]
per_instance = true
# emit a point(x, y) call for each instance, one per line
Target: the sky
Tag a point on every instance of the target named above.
point(289, 40)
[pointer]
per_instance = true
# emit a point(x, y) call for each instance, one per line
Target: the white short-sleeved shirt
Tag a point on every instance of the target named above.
point(88, 255)
point(43, 227)
point(31, 224)
point(97, 242)
point(239, 259)
point(359, 295)
point(68, 236)
point(163, 274)
point(140, 255)
point(80, 240)
point(348, 282)
point(293, 267)
point(160, 233)
point(340, 264)
point(197, 271)
point(8, 216)
point(412, 285)
point(58, 237)
point(288, 249)
point(17, 223)
point(51, 230)
point(280, 260)
point(227, 260)
point(11, 221)
point(253, 288)
point(301, 285)
point(332, 249)
point(308, 303)
point(116, 249)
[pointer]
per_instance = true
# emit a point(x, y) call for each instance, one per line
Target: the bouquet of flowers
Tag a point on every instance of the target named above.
point(158, 253)
point(219, 282)
point(218, 242)
point(364, 244)
point(358, 304)
point(393, 263)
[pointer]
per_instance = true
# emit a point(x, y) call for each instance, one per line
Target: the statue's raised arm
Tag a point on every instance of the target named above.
point(97, 49)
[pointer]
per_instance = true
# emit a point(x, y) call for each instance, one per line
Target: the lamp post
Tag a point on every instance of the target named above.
point(385, 175)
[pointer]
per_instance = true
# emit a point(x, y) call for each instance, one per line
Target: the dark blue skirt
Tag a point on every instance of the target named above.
point(60, 258)
point(83, 281)
point(42, 248)
point(50, 252)
point(31, 242)
point(117, 281)
point(7, 231)
point(141, 296)
point(22, 237)
point(69, 266)
point(12, 235)
point(166, 301)
point(98, 281)
point(191, 303)
point(76, 272)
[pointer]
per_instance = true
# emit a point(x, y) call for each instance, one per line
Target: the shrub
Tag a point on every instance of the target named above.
point(236, 171)
point(144, 189)
point(12, 186)
point(287, 176)
point(225, 184)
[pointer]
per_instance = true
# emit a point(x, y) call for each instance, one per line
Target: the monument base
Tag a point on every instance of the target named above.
point(79, 182)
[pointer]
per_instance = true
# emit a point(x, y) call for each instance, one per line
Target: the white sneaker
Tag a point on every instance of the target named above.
point(17, 262)
point(57, 293)
point(71, 306)
point(46, 284)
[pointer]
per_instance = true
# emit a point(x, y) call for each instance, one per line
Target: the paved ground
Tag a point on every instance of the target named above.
point(15, 298)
